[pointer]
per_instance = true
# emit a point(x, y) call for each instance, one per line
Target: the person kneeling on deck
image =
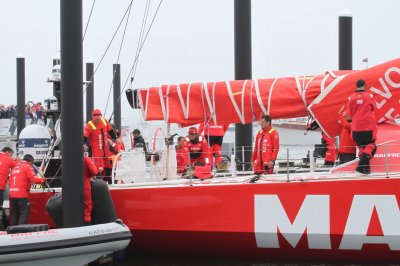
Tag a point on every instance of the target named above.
point(89, 171)
point(21, 179)
point(266, 148)
point(199, 154)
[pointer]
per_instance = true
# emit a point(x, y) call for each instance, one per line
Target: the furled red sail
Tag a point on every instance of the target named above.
point(238, 101)
point(382, 81)
point(244, 101)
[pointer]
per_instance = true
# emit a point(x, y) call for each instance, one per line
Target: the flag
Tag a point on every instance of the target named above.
point(365, 60)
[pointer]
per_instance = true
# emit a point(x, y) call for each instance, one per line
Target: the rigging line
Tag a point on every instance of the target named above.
point(136, 58)
point(144, 20)
point(140, 37)
point(112, 39)
point(87, 24)
point(119, 54)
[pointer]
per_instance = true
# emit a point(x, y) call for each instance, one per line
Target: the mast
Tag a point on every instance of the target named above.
point(116, 95)
point(89, 90)
point(345, 40)
point(20, 94)
point(243, 70)
point(72, 121)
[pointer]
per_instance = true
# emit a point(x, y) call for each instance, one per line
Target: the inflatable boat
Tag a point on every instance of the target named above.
point(69, 246)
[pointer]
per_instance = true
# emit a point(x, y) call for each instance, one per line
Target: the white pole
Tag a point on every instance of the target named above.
point(312, 165)
point(233, 165)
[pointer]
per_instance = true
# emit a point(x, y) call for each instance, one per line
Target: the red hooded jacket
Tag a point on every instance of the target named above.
point(97, 135)
point(198, 151)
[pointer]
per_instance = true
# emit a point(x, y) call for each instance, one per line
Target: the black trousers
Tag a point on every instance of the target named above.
point(20, 209)
point(363, 138)
point(1, 198)
point(346, 157)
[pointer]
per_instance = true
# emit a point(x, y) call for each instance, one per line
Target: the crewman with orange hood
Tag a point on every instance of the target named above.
point(95, 134)
point(266, 148)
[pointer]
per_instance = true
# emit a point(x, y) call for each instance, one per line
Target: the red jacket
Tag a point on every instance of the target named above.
point(199, 151)
point(89, 170)
point(6, 164)
point(21, 179)
point(263, 150)
point(346, 143)
point(182, 158)
point(97, 135)
point(330, 155)
point(274, 141)
point(361, 108)
point(213, 129)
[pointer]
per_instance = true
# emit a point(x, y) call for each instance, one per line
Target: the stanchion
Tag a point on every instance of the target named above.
point(287, 164)
point(386, 161)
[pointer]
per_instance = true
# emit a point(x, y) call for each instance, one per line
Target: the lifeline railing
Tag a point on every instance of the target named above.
point(138, 172)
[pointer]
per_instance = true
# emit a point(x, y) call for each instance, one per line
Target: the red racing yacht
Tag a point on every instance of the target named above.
point(335, 215)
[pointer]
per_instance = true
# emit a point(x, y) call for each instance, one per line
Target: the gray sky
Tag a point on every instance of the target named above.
point(192, 41)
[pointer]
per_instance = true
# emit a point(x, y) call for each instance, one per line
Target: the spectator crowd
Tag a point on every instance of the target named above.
point(32, 111)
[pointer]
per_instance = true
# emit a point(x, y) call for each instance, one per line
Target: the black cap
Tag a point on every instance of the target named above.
point(360, 83)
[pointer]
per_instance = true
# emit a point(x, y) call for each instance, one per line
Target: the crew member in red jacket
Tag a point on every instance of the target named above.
point(361, 108)
point(95, 134)
point(21, 179)
point(182, 155)
point(347, 147)
point(199, 153)
point(113, 149)
point(330, 155)
point(266, 147)
point(6, 164)
point(214, 134)
point(89, 171)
